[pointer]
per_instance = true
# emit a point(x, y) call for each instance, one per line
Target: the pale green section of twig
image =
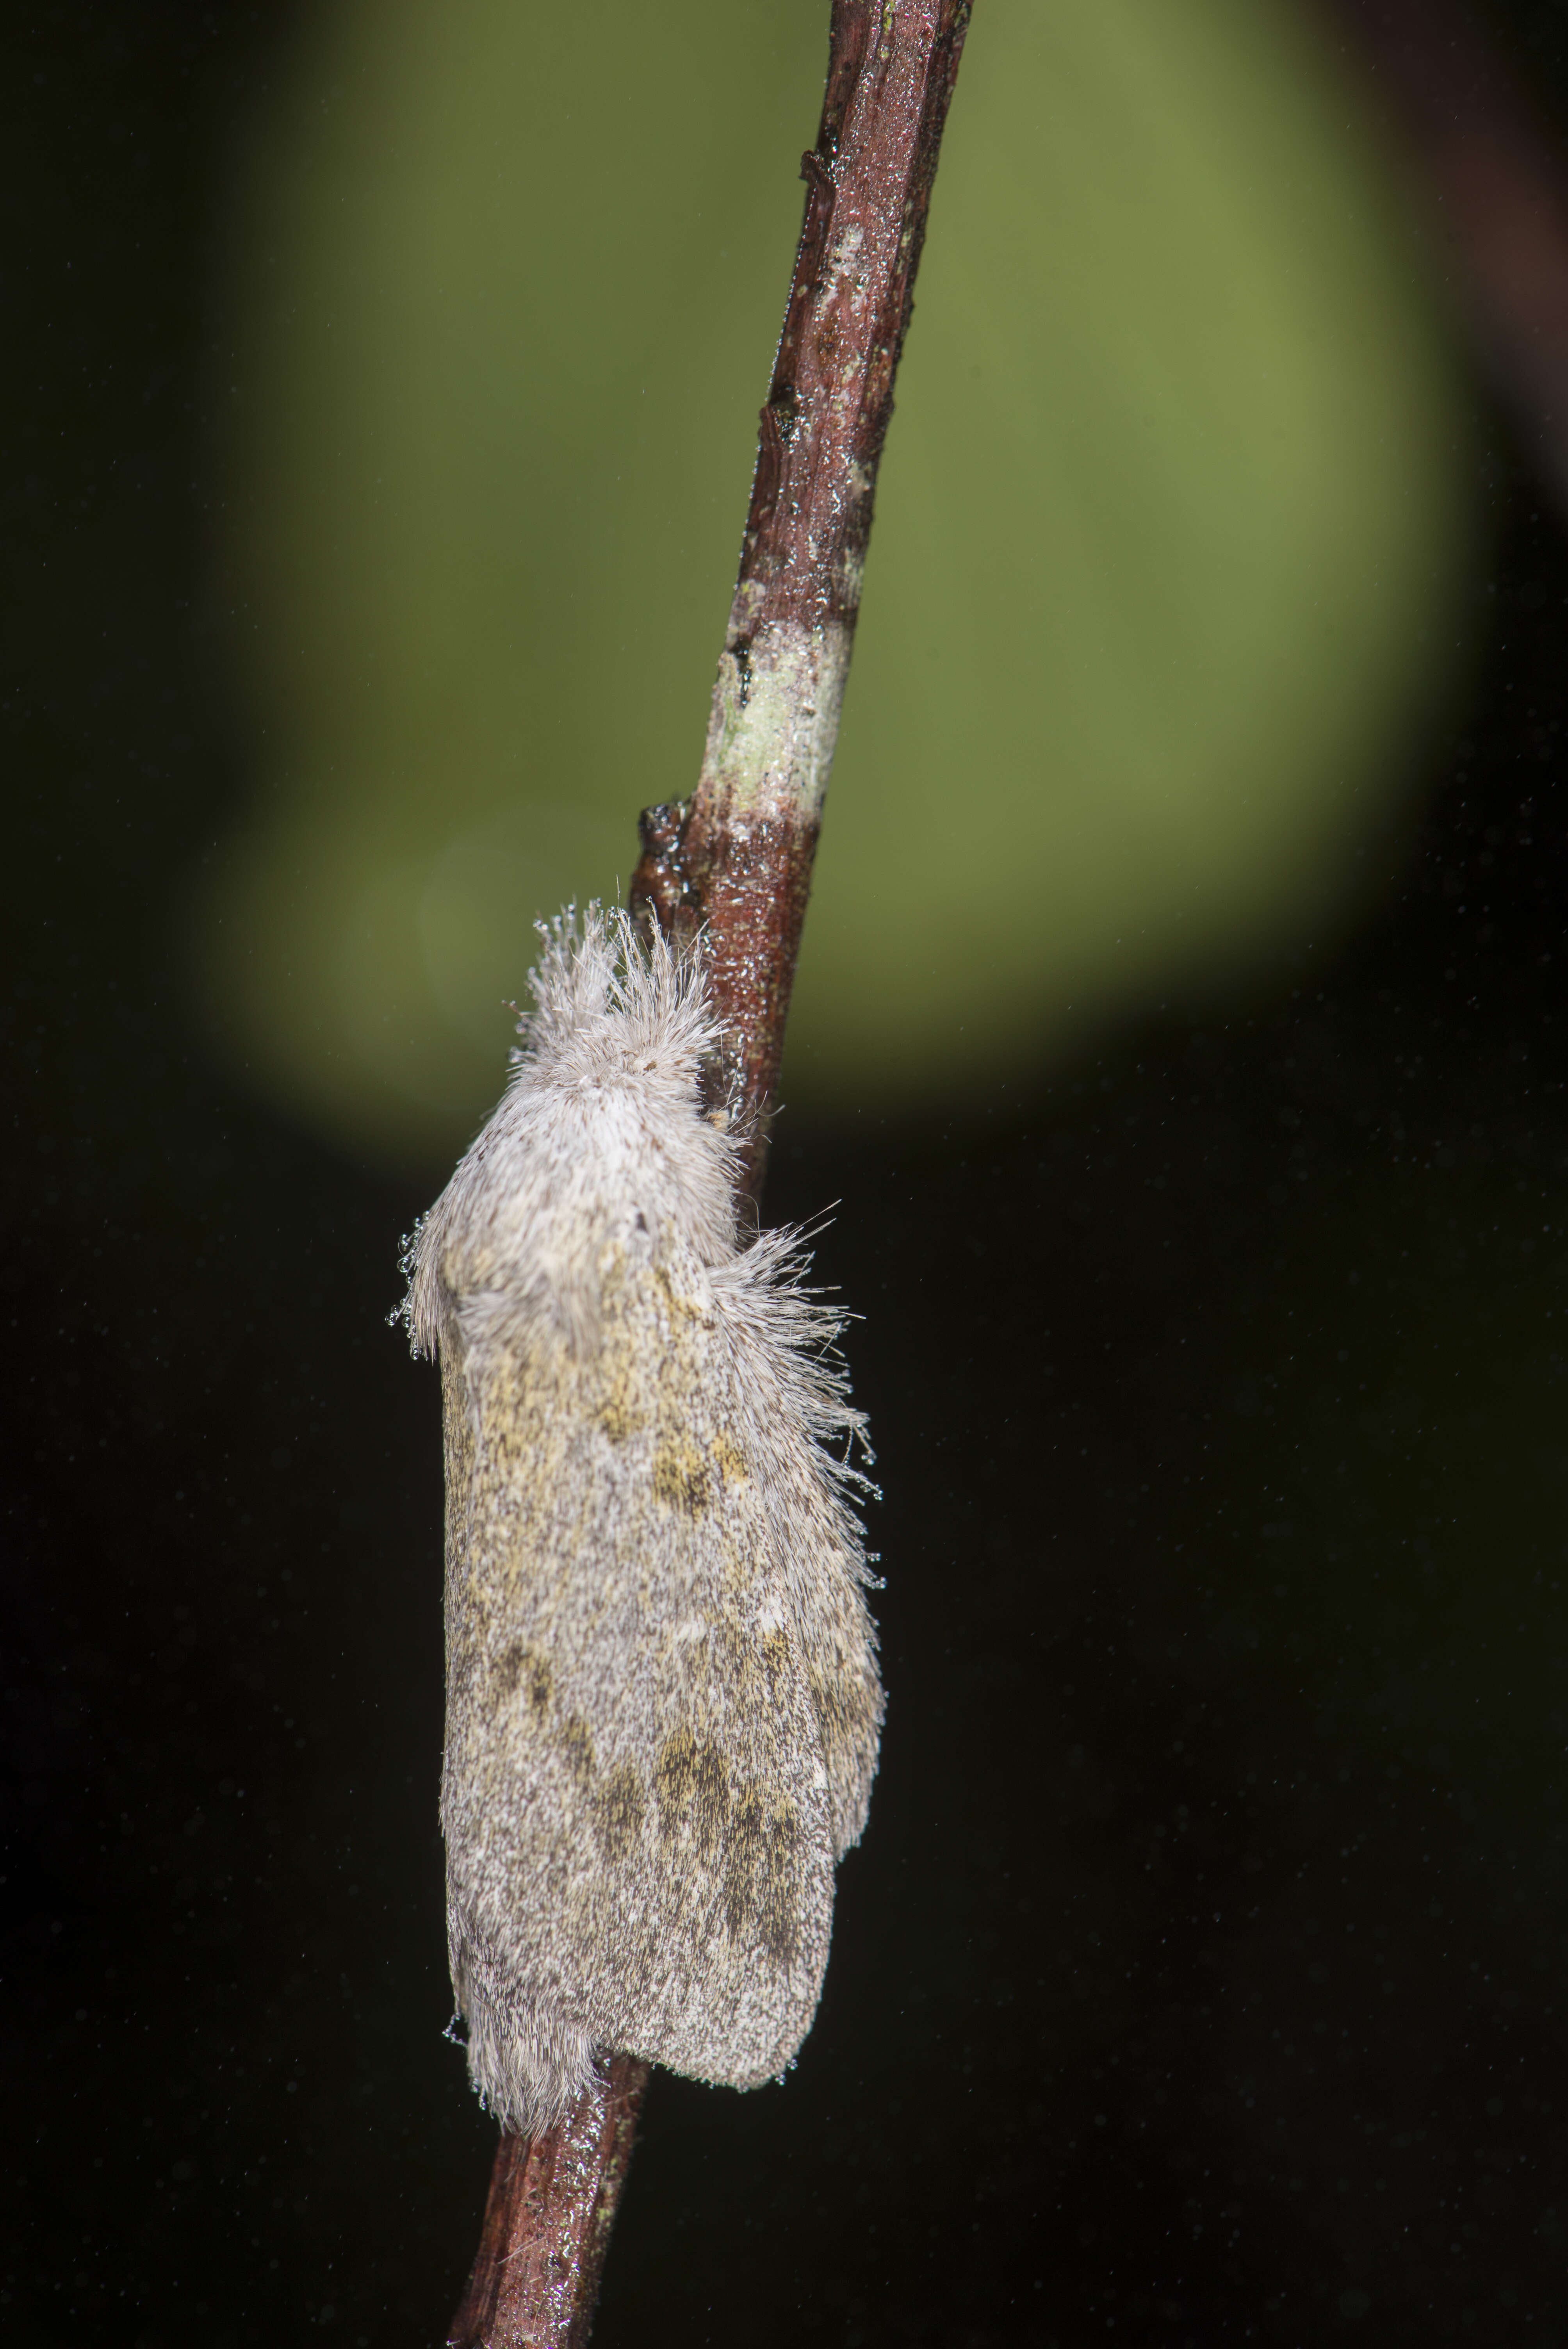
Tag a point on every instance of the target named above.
point(774, 723)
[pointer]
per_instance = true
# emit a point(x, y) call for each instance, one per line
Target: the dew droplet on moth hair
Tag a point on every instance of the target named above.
point(662, 1702)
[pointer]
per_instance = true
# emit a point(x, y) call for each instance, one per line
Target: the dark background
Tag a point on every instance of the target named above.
point(1203, 1974)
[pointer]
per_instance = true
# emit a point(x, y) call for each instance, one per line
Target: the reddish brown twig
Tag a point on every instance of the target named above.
point(547, 2223)
point(737, 856)
point(1495, 189)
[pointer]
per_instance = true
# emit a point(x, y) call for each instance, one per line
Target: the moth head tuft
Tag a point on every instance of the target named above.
point(611, 1003)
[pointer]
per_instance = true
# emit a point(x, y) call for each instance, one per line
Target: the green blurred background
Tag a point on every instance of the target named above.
point(1163, 575)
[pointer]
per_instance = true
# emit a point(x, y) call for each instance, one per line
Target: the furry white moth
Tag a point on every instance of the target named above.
point(663, 1705)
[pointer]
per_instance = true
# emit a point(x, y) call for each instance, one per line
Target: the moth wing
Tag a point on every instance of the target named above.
point(780, 1339)
point(635, 1800)
point(834, 1628)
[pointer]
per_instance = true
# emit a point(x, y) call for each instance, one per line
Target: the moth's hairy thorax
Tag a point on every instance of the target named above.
point(663, 1704)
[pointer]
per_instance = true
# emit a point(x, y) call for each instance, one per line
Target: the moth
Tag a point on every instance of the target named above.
point(663, 1698)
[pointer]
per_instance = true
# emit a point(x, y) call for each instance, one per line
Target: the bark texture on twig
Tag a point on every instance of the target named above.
point(1493, 186)
point(547, 2223)
point(737, 856)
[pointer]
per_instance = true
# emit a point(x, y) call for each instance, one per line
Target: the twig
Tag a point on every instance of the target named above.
point(1494, 188)
point(737, 856)
point(547, 2223)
